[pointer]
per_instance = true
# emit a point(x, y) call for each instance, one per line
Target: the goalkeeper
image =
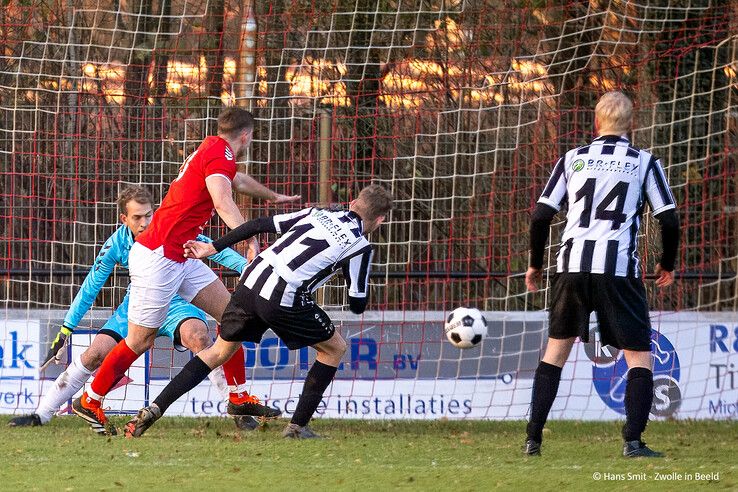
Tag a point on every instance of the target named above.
point(185, 324)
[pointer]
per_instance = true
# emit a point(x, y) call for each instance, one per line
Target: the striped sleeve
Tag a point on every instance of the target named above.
point(356, 272)
point(283, 222)
point(554, 194)
point(657, 189)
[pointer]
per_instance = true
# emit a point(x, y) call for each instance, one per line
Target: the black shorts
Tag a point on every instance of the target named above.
point(619, 302)
point(249, 315)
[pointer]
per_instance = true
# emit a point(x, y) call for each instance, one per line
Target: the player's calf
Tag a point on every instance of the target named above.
point(318, 378)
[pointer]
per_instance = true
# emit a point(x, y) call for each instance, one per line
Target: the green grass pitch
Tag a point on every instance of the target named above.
point(210, 454)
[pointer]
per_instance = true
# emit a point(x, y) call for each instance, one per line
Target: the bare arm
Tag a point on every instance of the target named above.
point(220, 191)
point(203, 249)
point(246, 185)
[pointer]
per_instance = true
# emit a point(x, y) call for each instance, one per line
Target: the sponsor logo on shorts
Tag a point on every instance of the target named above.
point(609, 374)
point(325, 322)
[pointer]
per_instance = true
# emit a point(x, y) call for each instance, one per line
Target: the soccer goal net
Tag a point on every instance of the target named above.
point(460, 108)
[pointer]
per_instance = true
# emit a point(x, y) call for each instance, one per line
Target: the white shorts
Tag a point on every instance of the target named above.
point(155, 279)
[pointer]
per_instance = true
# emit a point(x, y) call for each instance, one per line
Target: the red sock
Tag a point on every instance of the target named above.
point(235, 371)
point(112, 369)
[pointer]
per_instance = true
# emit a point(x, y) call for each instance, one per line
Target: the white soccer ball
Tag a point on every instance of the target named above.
point(465, 327)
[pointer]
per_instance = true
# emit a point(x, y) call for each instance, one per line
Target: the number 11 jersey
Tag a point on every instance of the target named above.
point(315, 245)
point(605, 185)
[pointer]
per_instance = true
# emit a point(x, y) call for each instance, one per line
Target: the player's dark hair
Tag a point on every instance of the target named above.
point(232, 121)
point(375, 202)
point(138, 193)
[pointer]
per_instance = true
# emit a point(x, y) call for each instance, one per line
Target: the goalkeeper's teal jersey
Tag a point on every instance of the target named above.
point(115, 252)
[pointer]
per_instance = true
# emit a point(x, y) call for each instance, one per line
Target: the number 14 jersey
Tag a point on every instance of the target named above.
point(605, 185)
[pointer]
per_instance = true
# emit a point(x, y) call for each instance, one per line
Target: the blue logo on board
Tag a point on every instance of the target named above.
point(609, 375)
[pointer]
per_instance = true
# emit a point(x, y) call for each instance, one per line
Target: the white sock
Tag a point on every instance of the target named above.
point(64, 387)
point(217, 377)
point(239, 388)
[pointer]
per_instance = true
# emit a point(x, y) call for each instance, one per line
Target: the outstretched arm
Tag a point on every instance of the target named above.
point(103, 266)
point(279, 224)
point(246, 185)
point(227, 258)
point(101, 269)
point(220, 191)
point(245, 231)
point(199, 249)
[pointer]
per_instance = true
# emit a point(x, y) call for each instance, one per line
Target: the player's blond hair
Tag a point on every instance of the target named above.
point(614, 111)
point(137, 193)
point(373, 201)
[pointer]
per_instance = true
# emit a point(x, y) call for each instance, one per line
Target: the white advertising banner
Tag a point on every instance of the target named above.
point(19, 356)
point(404, 368)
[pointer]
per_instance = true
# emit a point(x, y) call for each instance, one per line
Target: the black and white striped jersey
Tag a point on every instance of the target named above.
point(315, 245)
point(605, 185)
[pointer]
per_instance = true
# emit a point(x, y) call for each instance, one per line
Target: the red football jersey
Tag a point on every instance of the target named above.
point(187, 208)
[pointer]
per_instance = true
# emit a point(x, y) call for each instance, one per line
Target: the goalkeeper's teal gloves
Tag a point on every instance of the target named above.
point(56, 347)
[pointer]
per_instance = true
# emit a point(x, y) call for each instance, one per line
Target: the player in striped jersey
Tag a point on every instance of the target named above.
point(605, 186)
point(276, 292)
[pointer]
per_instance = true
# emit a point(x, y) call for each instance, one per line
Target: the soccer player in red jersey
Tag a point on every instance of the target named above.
point(159, 269)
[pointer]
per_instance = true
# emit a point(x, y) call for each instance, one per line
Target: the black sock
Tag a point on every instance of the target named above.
point(545, 387)
point(317, 380)
point(638, 400)
point(192, 374)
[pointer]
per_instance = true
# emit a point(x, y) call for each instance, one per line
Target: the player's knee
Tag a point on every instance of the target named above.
point(219, 353)
point(342, 347)
point(557, 351)
point(337, 348)
point(202, 341)
point(92, 359)
point(140, 345)
point(637, 359)
point(196, 341)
